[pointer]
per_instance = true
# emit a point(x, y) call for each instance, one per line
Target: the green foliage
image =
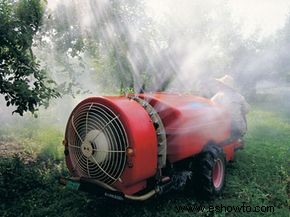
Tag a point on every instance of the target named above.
point(16, 179)
point(51, 142)
point(26, 189)
point(126, 90)
point(22, 81)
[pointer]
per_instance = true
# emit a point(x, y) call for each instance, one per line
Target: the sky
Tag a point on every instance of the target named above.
point(253, 15)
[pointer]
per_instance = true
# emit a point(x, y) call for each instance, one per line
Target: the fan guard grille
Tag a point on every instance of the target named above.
point(97, 143)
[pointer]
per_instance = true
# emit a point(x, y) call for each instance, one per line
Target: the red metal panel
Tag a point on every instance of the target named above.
point(190, 123)
point(141, 137)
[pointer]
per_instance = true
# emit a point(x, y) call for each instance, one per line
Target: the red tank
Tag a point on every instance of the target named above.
point(190, 122)
point(123, 142)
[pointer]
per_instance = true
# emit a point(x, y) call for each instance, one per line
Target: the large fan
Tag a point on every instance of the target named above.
point(97, 143)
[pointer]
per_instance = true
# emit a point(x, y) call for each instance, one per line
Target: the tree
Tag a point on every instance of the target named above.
point(23, 82)
point(93, 39)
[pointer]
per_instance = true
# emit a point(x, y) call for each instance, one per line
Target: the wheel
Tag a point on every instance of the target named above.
point(209, 173)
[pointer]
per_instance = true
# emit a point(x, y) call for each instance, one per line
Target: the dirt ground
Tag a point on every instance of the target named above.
point(10, 149)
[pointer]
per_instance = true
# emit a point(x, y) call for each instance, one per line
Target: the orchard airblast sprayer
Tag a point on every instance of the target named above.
point(139, 146)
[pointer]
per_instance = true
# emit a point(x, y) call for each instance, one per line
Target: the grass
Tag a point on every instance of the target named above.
point(258, 177)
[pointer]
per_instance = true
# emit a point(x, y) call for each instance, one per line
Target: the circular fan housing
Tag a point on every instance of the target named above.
point(98, 134)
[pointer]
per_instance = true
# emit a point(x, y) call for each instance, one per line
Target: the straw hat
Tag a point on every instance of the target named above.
point(226, 80)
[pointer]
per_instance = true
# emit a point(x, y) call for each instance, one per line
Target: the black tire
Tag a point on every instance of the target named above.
point(209, 173)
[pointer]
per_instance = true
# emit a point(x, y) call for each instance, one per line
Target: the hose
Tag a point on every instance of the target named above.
point(106, 186)
point(142, 197)
point(130, 197)
point(101, 184)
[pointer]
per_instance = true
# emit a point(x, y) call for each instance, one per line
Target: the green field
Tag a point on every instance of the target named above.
point(258, 177)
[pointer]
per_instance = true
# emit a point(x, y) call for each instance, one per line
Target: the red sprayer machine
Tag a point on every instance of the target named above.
point(142, 145)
